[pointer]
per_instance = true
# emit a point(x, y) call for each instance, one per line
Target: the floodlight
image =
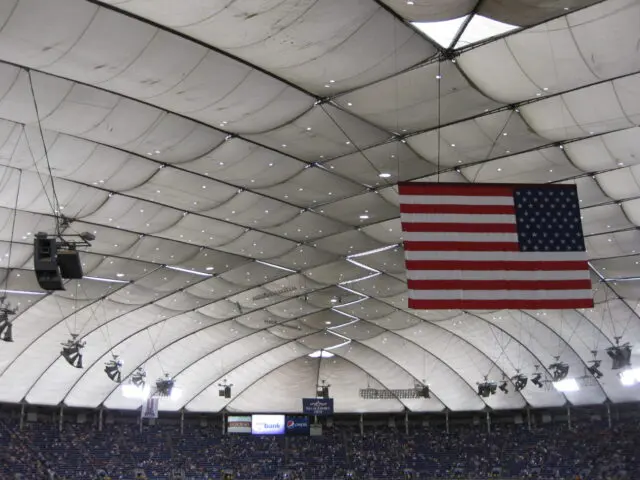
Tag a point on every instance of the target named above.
point(520, 381)
point(164, 386)
point(139, 377)
point(566, 385)
point(112, 369)
point(630, 377)
point(6, 328)
point(322, 391)
point(503, 387)
point(71, 351)
point(621, 356)
point(424, 392)
point(559, 371)
point(536, 380)
point(485, 389)
point(595, 368)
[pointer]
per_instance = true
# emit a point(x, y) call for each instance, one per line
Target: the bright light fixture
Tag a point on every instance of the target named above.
point(136, 393)
point(630, 377)
point(481, 28)
point(567, 385)
point(384, 175)
point(321, 353)
point(443, 33)
point(364, 217)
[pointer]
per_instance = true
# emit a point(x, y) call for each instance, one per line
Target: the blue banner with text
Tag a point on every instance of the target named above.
point(317, 406)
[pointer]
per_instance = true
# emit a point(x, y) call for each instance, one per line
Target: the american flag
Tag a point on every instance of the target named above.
point(488, 247)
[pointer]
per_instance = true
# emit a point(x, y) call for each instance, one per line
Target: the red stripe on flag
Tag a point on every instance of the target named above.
point(459, 209)
point(461, 247)
point(456, 190)
point(499, 284)
point(496, 265)
point(460, 227)
point(499, 304)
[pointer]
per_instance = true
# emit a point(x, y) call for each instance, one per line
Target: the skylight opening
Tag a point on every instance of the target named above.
point(321, 353)
point(443, 33)
point(481, 28)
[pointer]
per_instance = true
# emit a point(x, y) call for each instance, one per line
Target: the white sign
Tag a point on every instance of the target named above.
point(267, 424)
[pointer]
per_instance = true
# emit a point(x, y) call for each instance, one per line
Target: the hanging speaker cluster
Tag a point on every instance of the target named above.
point(56, 259)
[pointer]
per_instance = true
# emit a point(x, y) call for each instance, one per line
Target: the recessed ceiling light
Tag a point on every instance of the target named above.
point(384, 175)
point(209, 269)
point(499, 169)
point(328, 322)
point(349, 104)
point(453, 145)
point(119, 275)
point(364, 217)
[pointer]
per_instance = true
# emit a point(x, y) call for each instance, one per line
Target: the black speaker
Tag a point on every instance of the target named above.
point(45, 263)
point(70, 264)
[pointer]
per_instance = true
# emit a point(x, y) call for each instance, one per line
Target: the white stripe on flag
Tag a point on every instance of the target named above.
point(505, 256)
point(499, 294)
point(454, 200)
point(456, 218)
point(535, 275)
point(460, 237)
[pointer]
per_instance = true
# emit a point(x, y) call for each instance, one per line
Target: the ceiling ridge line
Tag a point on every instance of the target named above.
point(503, 106)
point(203, 44)
point(422, 348)
point(230, 136)
point(504, 36)
point(257, 192)
point(614, 291)
point(251, 384)
point(37, 338)
point(242, 391)
point(385, 302)
point(230, 319)
point(481, 162)
point(567, 344)
point(435, 324)
point(183, 115)
point(408, 24)
point(390, 360)
point(182, 242)
point(154, 302)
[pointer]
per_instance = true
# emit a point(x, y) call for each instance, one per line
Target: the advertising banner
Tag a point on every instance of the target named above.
point(297, 425)
point(239, 424)
point(150, 408)
point(267, 424)
point(317, 406)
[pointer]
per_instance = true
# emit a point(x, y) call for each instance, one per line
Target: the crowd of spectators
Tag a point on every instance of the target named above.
point(553, 451)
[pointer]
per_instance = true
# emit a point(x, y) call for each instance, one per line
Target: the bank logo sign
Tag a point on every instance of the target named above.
point(317, 406)
point(267, 424)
